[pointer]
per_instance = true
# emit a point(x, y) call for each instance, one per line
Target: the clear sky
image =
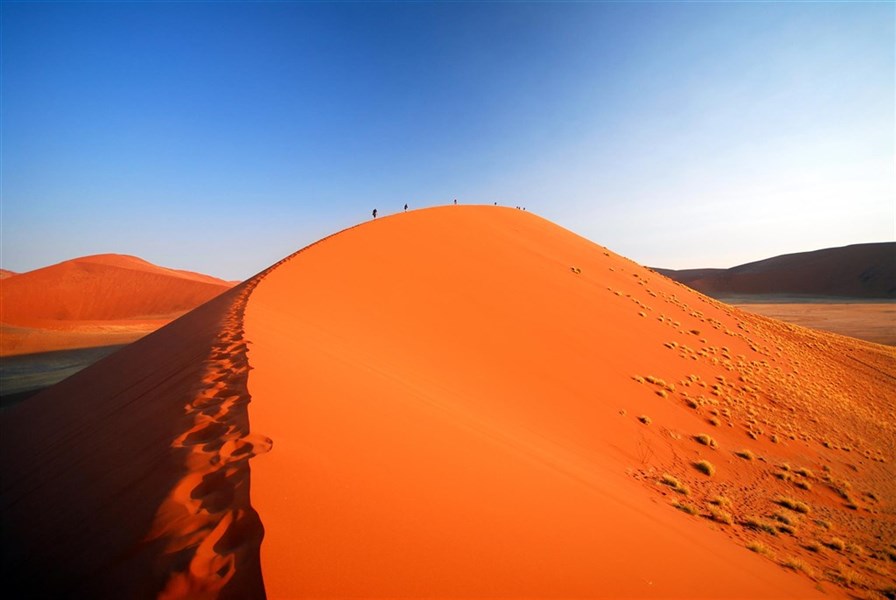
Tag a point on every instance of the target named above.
point(219, 137)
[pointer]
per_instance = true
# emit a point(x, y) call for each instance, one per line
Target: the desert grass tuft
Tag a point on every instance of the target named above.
point(794, 505)
point(759, 548)
point(705, 467)
point(644, 419)
point(675, 484)
point(720, 516)
point(758, 524)
point(836, 544)
point(705, 440)
point(685, 507)
point(745, 454)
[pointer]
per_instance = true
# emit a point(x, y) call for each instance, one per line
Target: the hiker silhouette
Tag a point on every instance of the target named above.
point(455, 201)
point(405, 207)
point(374, 213)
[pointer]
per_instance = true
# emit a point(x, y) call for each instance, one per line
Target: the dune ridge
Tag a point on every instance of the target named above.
point(460, 401)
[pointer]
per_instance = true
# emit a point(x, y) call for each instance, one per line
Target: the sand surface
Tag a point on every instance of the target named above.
point(458, 402)
point(452, 400)
point(870, 321)
point(99, 300)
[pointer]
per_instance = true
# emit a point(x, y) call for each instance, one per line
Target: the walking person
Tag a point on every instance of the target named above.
point(374, 213)
point(455, 202)
point(405, 207)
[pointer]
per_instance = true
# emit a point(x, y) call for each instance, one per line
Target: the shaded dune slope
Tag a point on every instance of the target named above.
point(857, 271)
point(102, 287)
point(129, 479)
point(454, 394)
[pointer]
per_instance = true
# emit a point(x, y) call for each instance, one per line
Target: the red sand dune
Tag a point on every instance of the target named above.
point(856, 271)
point(466, 402)
point(4, 273)
point(96, 300)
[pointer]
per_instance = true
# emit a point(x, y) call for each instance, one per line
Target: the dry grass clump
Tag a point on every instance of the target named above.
point(685, 507)
point(720, 501)
point(705, 467)
point(759, 548)
point(758, 524)
point(804, 472)
point(575, 270)
point(836, 544)
point(794, 563)
point(705, 440)
point(662, 393)
point(794, 505)
point(720, 516)
point(675, 484)
point(644, 419)
point(813, 547)
point(638, 378)
point(823, 524)
point(745, 454)
point(803, 484)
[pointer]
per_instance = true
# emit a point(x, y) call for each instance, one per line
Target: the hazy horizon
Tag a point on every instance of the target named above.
point(220, 137)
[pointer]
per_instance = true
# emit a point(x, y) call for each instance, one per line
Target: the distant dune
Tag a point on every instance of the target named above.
point(4, 273)
point(96, 300)
point(857, 271)
point(459, 402)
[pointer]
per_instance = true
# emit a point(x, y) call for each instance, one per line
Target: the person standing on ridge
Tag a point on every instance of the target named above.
point(455, 202)
point(405, 207)
point(374, 213)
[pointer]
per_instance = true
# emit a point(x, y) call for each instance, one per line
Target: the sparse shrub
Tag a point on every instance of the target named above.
point(792, 504)
point(779, 516)
point(685, 507)
point(705, 440)
point(720, 516)
point(705, 467)
point(638, 378)
point(675, 484)
point(713, 421)
point(644, 419)
point(758, 548)
point(793, 563)
point(744, 454)
point(813, 547)
point(758, 524)
point(823, 524)
point(720, 501)
point(661, 393)
point(804, 472)
point(836, 544)
point(784, 476)
point(803, 484)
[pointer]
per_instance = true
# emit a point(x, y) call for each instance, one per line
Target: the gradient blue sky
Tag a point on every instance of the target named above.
point(219, 137)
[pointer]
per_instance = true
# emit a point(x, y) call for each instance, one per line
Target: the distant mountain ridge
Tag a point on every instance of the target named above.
point(855, 271)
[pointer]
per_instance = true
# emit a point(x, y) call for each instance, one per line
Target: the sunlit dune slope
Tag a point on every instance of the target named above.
point(856, 271)
point(474, 402)
point(96, 300)
point(103, 287)
point(5, 273)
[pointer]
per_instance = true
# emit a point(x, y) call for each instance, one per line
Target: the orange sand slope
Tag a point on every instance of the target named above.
point(96, 300)
point(461, 401)
point(457, 399)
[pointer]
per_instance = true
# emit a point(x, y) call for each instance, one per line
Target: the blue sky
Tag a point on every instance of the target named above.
point(219, 137)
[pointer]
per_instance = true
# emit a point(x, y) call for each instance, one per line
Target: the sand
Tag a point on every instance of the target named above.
point(99, 300)
point(464, 402)
point(452, 395)
point(870, 321)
